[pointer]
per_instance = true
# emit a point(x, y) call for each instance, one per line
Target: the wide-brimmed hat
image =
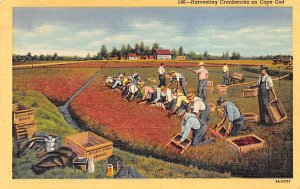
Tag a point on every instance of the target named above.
point(190, 96)
point(220, 101)
point(201, 63)
point(163, 88)
point(180, 112)
point(154, 87)
point(263, 67)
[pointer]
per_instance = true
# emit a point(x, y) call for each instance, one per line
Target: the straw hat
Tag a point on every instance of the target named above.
point(174, 90)
point(154, 87)
point(180, 112)
point(190, 96)
point(171, 72)
point(201, 63)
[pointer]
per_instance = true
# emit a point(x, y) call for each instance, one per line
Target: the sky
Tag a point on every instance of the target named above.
point(70, 31)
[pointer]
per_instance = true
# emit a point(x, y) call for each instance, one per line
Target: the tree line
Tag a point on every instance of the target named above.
point(140, 49)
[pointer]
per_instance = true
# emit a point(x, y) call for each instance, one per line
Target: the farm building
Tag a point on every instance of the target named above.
point(162, 54)
point(132, 56)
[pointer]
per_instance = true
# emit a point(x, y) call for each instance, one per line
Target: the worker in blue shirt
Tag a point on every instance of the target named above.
point(191, 122)
point(234, 115)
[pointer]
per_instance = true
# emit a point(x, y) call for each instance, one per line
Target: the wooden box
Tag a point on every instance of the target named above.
point(210, 90)
point(212, 107)
point(222, 89)
point(184, 145)
point(116, 161)
point(80, 163)
point(25, 130)
point(276, 111)
point(22, 114)
point(246, 143)
point(210, 84)
point(248, 93)
point(90, 145)
point(236, 75)
point(250, 117)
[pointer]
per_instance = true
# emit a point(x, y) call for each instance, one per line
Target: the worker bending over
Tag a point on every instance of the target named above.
point(199, 107)
point(180, 80)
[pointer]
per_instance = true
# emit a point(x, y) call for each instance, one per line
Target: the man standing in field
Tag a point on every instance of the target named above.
point(180, 79)
point(199, 107)
point(225, 80)
point(202, 76)
point(265, 84)
point(162, 78)
point(189, 123)
point(234, 115)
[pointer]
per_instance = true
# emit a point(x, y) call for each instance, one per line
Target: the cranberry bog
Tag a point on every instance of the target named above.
point(56, 84)
point(146, 130)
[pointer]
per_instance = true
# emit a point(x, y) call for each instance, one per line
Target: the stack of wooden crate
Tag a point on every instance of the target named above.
point(24, 124)
point(222, 89)
point(209, 87)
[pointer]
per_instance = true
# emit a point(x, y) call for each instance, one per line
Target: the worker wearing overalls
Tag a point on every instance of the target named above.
point(225, 80)
point(234, 115)
point(202, 77)
point(180, 79)
point(181, 103)
point(191, 122)
point(162, 78)
point(199, 107)
point(265, 84)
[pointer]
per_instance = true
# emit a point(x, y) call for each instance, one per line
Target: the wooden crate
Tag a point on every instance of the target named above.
point(89, 145)
point(222, 89)
point(212, 107)
point(241, 145)
point(248, 93)
point(250, 117)
point(276, 111)
point(209, 90)
point(209, 84)
point(184, 145)
point(236, 75)
point(25, 130)
point(22, 114)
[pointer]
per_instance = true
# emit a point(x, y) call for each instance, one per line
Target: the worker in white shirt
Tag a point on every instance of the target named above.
point(225, 80)
point(180, 79)
point(162, 78)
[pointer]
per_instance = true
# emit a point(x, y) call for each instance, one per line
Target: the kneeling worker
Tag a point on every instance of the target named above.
point(191, 123)
point(234, 115)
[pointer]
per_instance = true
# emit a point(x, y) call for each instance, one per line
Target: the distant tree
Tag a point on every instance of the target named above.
point(55, 56)
point(174, 53)
point(238, 56)
point(114, 52)
point(35, 58)
point(123, 51)
point(155, 46)
point(48, 57)
point(129, 49)
point(103, 52)
point(142, 47)
point(29, 56)
point(180, 51)
point(88, 57)
point(192, 56)
point(148, 51)
point(137, 49)
point(206, 56)
point(233, 56)
point(42, 57)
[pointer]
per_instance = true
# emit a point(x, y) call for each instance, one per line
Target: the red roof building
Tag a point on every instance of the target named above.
point(162, 54)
